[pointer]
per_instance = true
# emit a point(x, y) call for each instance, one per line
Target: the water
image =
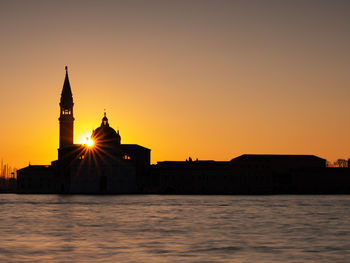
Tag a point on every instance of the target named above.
point(53, 228)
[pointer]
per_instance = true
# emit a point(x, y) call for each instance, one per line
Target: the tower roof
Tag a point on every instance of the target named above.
point(66, 95)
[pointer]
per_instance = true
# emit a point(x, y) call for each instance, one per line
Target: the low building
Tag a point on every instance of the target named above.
point(36, 179)
point(189, 177)
point(274, 173)
point(277, 162)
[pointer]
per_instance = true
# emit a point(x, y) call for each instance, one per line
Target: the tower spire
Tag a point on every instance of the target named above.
point(66, 95)
point(66, 114)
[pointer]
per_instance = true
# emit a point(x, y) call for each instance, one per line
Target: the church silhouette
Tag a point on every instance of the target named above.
point(108, 167)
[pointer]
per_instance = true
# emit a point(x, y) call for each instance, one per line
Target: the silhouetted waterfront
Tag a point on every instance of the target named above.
point(42, 228)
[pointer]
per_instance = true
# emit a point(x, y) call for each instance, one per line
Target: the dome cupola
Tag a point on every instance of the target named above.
point(105, 121)
point(105, 136)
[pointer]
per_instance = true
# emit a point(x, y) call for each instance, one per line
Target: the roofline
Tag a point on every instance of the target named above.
point(280, 155)
point(36, 166)
point(128, 144)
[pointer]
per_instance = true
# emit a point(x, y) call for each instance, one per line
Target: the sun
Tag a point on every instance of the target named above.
point(89, 142)
point(85, 139)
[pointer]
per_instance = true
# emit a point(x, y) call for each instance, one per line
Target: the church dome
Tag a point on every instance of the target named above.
point(105, 136)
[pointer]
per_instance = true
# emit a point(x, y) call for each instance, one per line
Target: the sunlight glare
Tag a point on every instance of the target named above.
point(89, 142)
point(86, 139)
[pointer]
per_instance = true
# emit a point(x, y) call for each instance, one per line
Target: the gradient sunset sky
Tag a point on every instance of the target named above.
point(206, 79)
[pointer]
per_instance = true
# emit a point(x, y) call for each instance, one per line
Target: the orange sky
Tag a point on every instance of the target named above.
point(206, 79)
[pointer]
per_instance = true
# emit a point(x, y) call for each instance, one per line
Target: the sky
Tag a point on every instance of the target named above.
point(206, 79)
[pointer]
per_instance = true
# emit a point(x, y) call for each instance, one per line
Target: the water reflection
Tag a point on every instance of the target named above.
point(56, 228)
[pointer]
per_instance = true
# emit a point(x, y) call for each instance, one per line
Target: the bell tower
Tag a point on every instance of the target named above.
point(66, 114)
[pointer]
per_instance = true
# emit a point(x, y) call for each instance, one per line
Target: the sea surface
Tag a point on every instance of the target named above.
point(160, 228)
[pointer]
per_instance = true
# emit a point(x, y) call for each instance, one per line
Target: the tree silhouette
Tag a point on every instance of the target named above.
point(342, 163)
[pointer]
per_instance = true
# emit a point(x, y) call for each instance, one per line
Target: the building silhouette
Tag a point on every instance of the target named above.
point(110, 167)
point(249, 174)
point(66, 114)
